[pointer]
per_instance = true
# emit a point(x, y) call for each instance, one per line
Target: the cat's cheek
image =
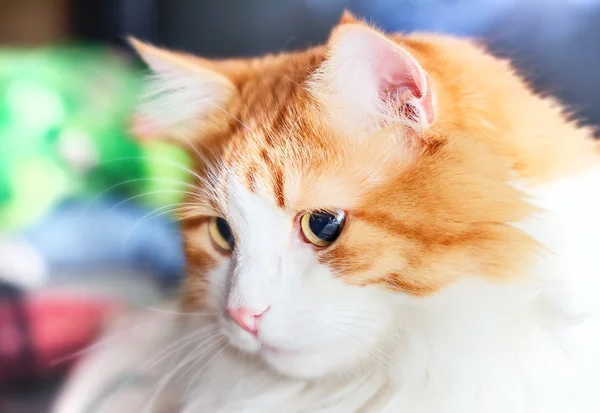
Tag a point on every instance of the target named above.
point(217, 278)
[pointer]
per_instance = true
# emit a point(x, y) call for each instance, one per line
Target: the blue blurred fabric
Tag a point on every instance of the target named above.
point(83, 234)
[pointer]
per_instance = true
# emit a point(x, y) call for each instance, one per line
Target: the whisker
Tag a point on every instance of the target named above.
point(355, 310)
point(241, 356)
point(374, 356)
point(382, 354)
point(178, 345)
point(235, 118)
point(353, 317)
point(363, 328)
point(174, 210)
point(203, 180)
point(199, 351)
point(164, 191)
point(347, 371)
point(206, 364)
point(163, 161)
point(113, 335)
point(162, 355)
point(200, 155)
point(166, 379)
point(160, 310)
point(160, 386)
point(157, 179)
point(152, 215)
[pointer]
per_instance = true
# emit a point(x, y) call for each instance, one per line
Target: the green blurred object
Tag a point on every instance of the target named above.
point(64, 114)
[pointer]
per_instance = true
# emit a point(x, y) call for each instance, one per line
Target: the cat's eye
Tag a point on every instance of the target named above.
point(321, 228)
point(221, 233)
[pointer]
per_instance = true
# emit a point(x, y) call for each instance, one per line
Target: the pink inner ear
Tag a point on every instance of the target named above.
point(401, 76)
point(144, 129)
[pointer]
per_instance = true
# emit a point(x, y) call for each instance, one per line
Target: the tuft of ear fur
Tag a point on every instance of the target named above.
point(370, 81)
point(347, 18)
point(179, 95)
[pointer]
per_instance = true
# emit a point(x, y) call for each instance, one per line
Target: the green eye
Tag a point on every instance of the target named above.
point(221, 233)
point(321, 228)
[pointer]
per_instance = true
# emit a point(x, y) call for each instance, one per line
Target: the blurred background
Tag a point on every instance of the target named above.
point(85, 210)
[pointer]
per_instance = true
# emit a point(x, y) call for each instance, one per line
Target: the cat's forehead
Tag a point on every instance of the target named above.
point(279, 145)
point(291, 177)
point(272, 91)
point(301, 163)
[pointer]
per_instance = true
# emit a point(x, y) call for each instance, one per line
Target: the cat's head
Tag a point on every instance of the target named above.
point(335, 189)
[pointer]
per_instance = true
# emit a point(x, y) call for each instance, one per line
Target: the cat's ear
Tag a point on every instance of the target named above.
point(369, 80)
point(347, 17)
point(180, 93)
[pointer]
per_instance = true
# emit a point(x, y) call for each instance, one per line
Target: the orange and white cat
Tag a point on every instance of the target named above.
point(386, 223)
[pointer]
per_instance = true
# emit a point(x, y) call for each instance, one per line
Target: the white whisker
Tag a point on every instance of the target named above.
point(199, 351)
point(382, 363)
point(206, 364)
point(164, 191)
point(162, 355)
point(160, 310)
point(162, 384)
point(153, 214)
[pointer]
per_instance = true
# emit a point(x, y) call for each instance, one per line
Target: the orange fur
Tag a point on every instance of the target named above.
point(424, 208)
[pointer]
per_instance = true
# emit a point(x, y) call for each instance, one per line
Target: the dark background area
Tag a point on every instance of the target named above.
point(554, 43)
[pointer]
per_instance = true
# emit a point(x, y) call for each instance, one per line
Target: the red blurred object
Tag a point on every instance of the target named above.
point(41, 335)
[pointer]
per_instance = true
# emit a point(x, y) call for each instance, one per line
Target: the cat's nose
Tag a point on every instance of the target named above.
point(246, 317)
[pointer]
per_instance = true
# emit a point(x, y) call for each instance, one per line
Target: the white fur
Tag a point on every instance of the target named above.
point(179, 93)
point(530, 346)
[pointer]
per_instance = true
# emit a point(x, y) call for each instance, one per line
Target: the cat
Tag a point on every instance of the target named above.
point(384, 223)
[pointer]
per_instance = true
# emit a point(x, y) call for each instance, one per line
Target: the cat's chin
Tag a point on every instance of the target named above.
point(297, 363)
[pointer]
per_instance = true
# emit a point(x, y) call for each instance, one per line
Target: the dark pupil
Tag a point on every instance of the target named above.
point(225, 231)
point(324, 225)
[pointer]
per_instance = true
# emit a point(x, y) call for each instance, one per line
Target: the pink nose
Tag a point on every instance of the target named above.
point(246, 317)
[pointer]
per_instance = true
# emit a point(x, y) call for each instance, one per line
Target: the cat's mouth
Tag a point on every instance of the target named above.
point(294, 361)
point(269, 351)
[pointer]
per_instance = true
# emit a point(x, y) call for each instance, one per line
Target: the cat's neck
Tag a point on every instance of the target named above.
point(478, 339)
point(527, 342)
